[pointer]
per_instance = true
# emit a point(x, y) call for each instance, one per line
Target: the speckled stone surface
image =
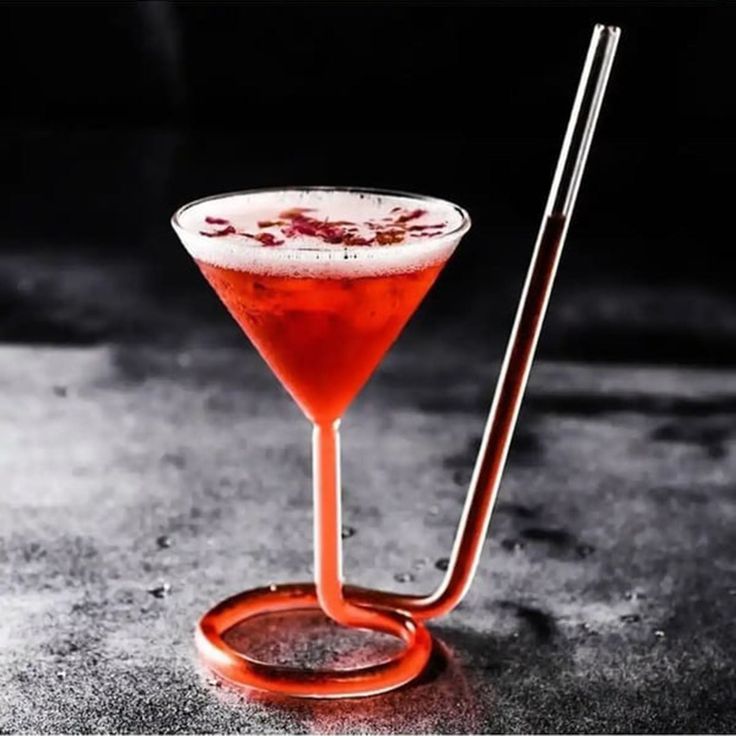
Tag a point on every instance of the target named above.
point(143, 482)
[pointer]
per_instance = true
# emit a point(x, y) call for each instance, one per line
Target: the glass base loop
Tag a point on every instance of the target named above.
point(238, 668)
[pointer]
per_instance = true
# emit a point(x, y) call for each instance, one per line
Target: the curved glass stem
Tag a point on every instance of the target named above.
point(328, 526)
point(328, 538)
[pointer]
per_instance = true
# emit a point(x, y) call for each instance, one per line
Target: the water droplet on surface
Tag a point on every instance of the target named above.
point(160, 591)
point(163, 542)
point(585, 550)
point(512, 545)
point(659, 633)
point(60, 391)
point(273, 587)
point(347, 532)
point(442, 564)
point(420, 563)
point(403, 577)
point(634, 595)
point(630, 618)
point(61, 674)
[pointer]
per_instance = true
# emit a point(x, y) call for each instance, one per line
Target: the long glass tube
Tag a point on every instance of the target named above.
point(522, 344)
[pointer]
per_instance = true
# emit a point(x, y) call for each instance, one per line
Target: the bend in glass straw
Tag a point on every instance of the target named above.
point(522, 344)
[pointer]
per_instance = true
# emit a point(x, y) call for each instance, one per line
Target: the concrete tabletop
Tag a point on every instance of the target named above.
point(144, 482)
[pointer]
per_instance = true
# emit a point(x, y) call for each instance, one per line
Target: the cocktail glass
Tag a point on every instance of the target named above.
point(323, 319)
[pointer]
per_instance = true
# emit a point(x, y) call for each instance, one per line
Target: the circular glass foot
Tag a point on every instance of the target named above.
point(238, 668)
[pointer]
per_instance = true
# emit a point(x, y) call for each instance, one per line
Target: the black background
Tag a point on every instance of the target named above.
point(113, 114)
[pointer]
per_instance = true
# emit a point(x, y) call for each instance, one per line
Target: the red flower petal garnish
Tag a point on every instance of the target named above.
point(229, 230)
point(332, 234)
point(426, 227)
point(389, 237)
point(294, 212)
point(267, 239)
point(296, 222)
point(301, 225)
point(357, 240)
point(410, 215)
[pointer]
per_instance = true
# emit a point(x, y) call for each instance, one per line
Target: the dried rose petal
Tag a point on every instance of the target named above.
point(426, 227)
point(216, 220)
point(332, 234)
point(300, 226)
point(229, 230)
point(296, 222)
point(268, 239)
point(357, 240)
point(413, 215)
point(389, 237)
point(290, 214)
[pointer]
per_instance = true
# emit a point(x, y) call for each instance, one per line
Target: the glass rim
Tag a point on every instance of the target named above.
point(459, 231)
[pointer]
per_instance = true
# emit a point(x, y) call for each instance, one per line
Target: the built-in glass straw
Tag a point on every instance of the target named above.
point(522, 343)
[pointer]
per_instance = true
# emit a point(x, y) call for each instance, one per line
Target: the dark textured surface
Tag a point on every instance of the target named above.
point(152, 466)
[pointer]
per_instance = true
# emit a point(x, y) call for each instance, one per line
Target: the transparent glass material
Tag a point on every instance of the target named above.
point(399, 615)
